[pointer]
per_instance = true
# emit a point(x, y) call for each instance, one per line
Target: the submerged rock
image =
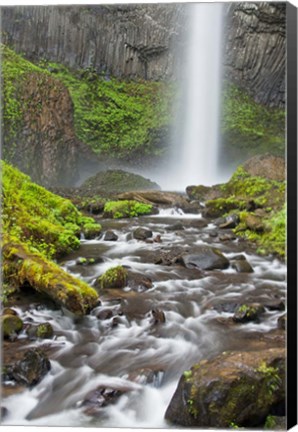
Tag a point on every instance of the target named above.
point(31, 368)
point(239, 388)
point(157, 317)
point(99, 398)
point(138, 282)
point(205, 258)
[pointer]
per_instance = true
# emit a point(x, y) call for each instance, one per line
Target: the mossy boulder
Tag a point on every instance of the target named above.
point(248, 312)
point(22, 267)
point(11, 325)
point(126, 209)
point(116, 181)
point(115, 277)
point(266, 165)
point(44, 331)
point(233, 388)
point(205, 258)
point(220, 206)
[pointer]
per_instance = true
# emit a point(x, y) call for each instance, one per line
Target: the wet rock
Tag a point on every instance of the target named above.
point(110, 236)
point(238, 257)
point(157, 317)
point(142, 233)
point(146, 376)
point(241, 266)
point(274, 422)
point(42, 331)
point(194, 207)
point(11, 326)
point(177, 226)
point(100, 398)
point(229, 307)
point(205, 258)
point(231, 221)
point(31, 368)
point(3, 413)
point(232, 388)
point(168, 257)
point(203, 193)
point(248, 312)
point(278, 305)
point(115, 277)
point(199, 223)
point(104, 314)
point(227, 237)
point(157, 239)
point(282, 322)
point(9, 311)
point(95, 208)
point(213, 233)
point(138, 282)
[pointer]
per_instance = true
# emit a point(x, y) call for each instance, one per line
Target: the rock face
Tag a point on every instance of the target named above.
point(122, 40)
point(255, 49)
point(47, 148)
point(267, 166)
point(236, 388)
point(145, 41)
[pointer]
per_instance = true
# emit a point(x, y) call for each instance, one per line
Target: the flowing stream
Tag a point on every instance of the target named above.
point(126, 351)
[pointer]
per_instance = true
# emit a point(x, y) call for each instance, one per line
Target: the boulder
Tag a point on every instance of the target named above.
point(241, 266)
point(138, 282)
point(282, 322)
point(233, 388)
point(231, 222)
point(254, 223)
point(11, 326)
point(115, 277)
point(267, 166)
point(42, 331)
point(110, 236)
point(99, 398)
point(248, 312)
point(177, 226)
point(203, 193)
point(227, 236)
point(31, 368)
point(205, 258)
point(142, 233)
point(115, 181)
point(157, 316)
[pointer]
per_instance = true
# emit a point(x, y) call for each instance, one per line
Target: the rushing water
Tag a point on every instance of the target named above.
point(196, 131)
point(142, 359)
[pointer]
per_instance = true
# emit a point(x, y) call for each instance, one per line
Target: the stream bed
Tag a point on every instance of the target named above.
point(120, 365)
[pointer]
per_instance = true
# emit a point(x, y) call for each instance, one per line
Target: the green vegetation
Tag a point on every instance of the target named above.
point(115, 277)
point(270, 422)
point(39, 226)
point(249, 127)
point(47, 223)
point(115, 117)
point(126, 209)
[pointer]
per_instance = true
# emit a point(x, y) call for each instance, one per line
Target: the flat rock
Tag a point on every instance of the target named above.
point(205, 258)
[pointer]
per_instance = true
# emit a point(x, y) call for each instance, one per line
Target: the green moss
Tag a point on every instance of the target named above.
point(46, 222)
point(21, 266)
point(249, 127)
point(221, 206)
point(11, 324)
point(44, 331)
point(115, 277)
point(270, 422)
point(115, 117)
point(126, 209)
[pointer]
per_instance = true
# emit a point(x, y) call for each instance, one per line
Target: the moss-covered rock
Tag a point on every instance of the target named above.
point(44, 331)
point(126, 209)
point(20, 266)
point(116, 181)
point(236, 388)
point(46, 222)
point(115, 277)
point(11, 325)
point(248, 312)
point(220, 206)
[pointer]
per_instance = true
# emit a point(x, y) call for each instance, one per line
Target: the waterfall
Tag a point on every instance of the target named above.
point(195, 136)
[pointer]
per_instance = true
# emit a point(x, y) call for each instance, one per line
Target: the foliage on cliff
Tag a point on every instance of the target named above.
point(115, 117)
point(39, 226)
point(249, 127)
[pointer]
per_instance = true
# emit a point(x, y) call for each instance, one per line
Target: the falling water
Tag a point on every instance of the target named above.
point(195, 136)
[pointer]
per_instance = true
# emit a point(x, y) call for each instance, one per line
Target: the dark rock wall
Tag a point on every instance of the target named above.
point(122, 40)
point(256, 49)
point(145, 40)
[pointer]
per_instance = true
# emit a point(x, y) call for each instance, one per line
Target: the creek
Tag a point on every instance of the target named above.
point(127, 351)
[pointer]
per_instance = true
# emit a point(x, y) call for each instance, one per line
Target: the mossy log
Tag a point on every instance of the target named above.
point(22, 267)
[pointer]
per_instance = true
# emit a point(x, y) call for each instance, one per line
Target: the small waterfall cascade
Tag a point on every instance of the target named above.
point(195, 136)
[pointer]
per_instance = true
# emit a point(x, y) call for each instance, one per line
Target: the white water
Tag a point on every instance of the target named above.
point(196, 132)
